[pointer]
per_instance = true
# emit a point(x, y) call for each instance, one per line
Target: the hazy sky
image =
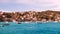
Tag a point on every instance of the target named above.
point(22, 5)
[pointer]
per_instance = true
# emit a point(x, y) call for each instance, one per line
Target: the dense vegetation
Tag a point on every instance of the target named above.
point(30, 16)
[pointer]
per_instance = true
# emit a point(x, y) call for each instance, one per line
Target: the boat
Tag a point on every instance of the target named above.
point(5, 25)
point(19, 23)
point(26, 22)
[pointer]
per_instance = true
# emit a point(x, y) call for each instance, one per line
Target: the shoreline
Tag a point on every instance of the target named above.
point(33, 22)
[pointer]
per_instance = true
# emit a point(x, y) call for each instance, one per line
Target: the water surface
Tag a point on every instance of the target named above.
point(30, 28)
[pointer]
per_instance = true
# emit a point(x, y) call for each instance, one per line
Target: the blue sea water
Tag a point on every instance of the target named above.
point(30, 28)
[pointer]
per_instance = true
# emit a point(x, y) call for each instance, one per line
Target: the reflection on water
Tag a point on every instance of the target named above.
point(30, 28)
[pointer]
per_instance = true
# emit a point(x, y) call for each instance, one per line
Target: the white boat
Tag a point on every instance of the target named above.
point(26, 22)
point(6, 22)
point(14, 21)
point(55, 21)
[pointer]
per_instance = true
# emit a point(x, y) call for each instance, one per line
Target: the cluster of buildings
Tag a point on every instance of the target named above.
point(30, 16)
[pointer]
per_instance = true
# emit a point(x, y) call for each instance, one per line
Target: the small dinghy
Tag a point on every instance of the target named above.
point(19, 23)
point(6, 24)
point(26, 22)
point(16, 22)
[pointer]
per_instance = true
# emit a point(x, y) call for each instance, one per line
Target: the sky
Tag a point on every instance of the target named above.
point(24, 5)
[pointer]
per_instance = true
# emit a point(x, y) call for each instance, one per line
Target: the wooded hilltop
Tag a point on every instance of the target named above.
point(48, 15)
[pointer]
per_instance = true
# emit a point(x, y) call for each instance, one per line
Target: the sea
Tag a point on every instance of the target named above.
point(30, 28)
